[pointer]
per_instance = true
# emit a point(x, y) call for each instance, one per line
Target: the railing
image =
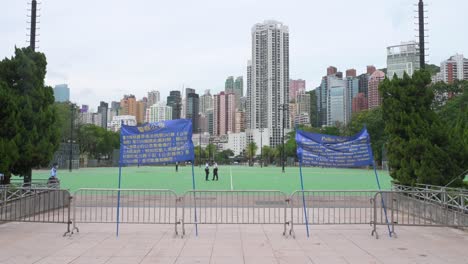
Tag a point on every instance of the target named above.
point(234, 207)
point(147, 206)
point(416, 208)
point(137, 206)
point(38, 183)
point(331, 207)
point(452, 198)
point(39, 205)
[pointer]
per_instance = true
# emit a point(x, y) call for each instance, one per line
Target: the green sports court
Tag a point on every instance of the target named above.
point(233, 177)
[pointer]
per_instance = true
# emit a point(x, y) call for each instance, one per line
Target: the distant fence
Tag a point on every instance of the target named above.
point(38, 205)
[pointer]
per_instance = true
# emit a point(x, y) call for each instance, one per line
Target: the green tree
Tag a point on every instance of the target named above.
point(211, 151)
point(418, 146)
point(223, 156)
point(250, 151)
point(268, 154)
point(65, 112)
point(37, 134)
point(313, 108)
point(8, 129)
point(373, 120)
point(97, 142)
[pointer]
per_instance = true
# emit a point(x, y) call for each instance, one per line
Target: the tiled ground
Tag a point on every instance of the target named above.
point(97, 243)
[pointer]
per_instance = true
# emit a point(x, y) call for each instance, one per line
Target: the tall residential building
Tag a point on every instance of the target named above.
point(224, 113)
point(117, 121)
point(239, 90)
point(363, 83)
point(455, 68)
point(371, 69)
point(323, 94)
point(303, 103)
point(243, 104)
point(332, 70)
point(350, 73)
point(203, 122)
point(128, 105)
point(359, 103)
point(62, 93)
point(292, 111)
point(249, 102)
point(229, 85)
point(153, 97)
point(174, 100)
point(374, 99)
point(103, 109)
point(402, 58)
point(210, 121)
point(141, 110)
point(206, 102)
point(158, 112)
point(240, 121)
point(336, 105)
point(192, 104)
point(269, 79)
point(352, 90)
point(296, 87)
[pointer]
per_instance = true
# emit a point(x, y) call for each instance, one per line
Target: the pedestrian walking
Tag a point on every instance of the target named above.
point(207, 171)
point(215, 171)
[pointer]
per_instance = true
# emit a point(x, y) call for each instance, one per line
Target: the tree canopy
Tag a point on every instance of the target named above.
point(419, 147)
point(28, 129)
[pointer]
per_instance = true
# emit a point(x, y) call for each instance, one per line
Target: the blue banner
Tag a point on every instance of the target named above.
point(156, 143)
point(333, 151)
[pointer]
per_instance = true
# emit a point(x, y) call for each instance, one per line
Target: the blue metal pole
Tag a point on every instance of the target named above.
point(194, 197)
point(118, 198)
point(303, 198)
point(381, 197)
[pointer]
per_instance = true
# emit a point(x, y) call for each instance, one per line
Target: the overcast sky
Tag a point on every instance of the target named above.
point(106, 48)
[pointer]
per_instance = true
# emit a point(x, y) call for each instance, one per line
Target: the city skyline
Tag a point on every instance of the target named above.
point(79, 53)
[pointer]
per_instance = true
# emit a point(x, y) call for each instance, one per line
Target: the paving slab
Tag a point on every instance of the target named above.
point(35, 243)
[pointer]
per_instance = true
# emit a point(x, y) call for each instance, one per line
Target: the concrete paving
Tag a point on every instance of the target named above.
point(98, 244)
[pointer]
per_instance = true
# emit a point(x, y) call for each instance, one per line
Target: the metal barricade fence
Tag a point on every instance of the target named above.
point(331, 208)
point(37, 205)
point(418, 208)
point(234, 207)
point(137, 206)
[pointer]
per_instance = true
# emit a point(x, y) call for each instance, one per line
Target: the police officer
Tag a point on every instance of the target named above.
point(215, 171)
point(207, 171)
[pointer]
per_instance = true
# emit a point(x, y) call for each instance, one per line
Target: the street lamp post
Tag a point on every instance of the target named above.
point(261, 147)
point(199, 144)
point(72, 109)
point(283, 108)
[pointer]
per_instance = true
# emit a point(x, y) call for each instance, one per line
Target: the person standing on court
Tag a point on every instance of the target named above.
point(215, 171)
point(207, 171)
point(177, 166)
point(53, 171)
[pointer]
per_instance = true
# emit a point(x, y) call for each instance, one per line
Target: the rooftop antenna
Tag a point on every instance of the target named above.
point(34, 21)
point(422, 33)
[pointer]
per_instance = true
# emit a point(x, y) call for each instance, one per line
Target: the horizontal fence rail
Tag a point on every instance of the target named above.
point(234, 207)
point(137, 206)
point(36, 205)
point(417, 208)
point(453, 198)
point(331, 207)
